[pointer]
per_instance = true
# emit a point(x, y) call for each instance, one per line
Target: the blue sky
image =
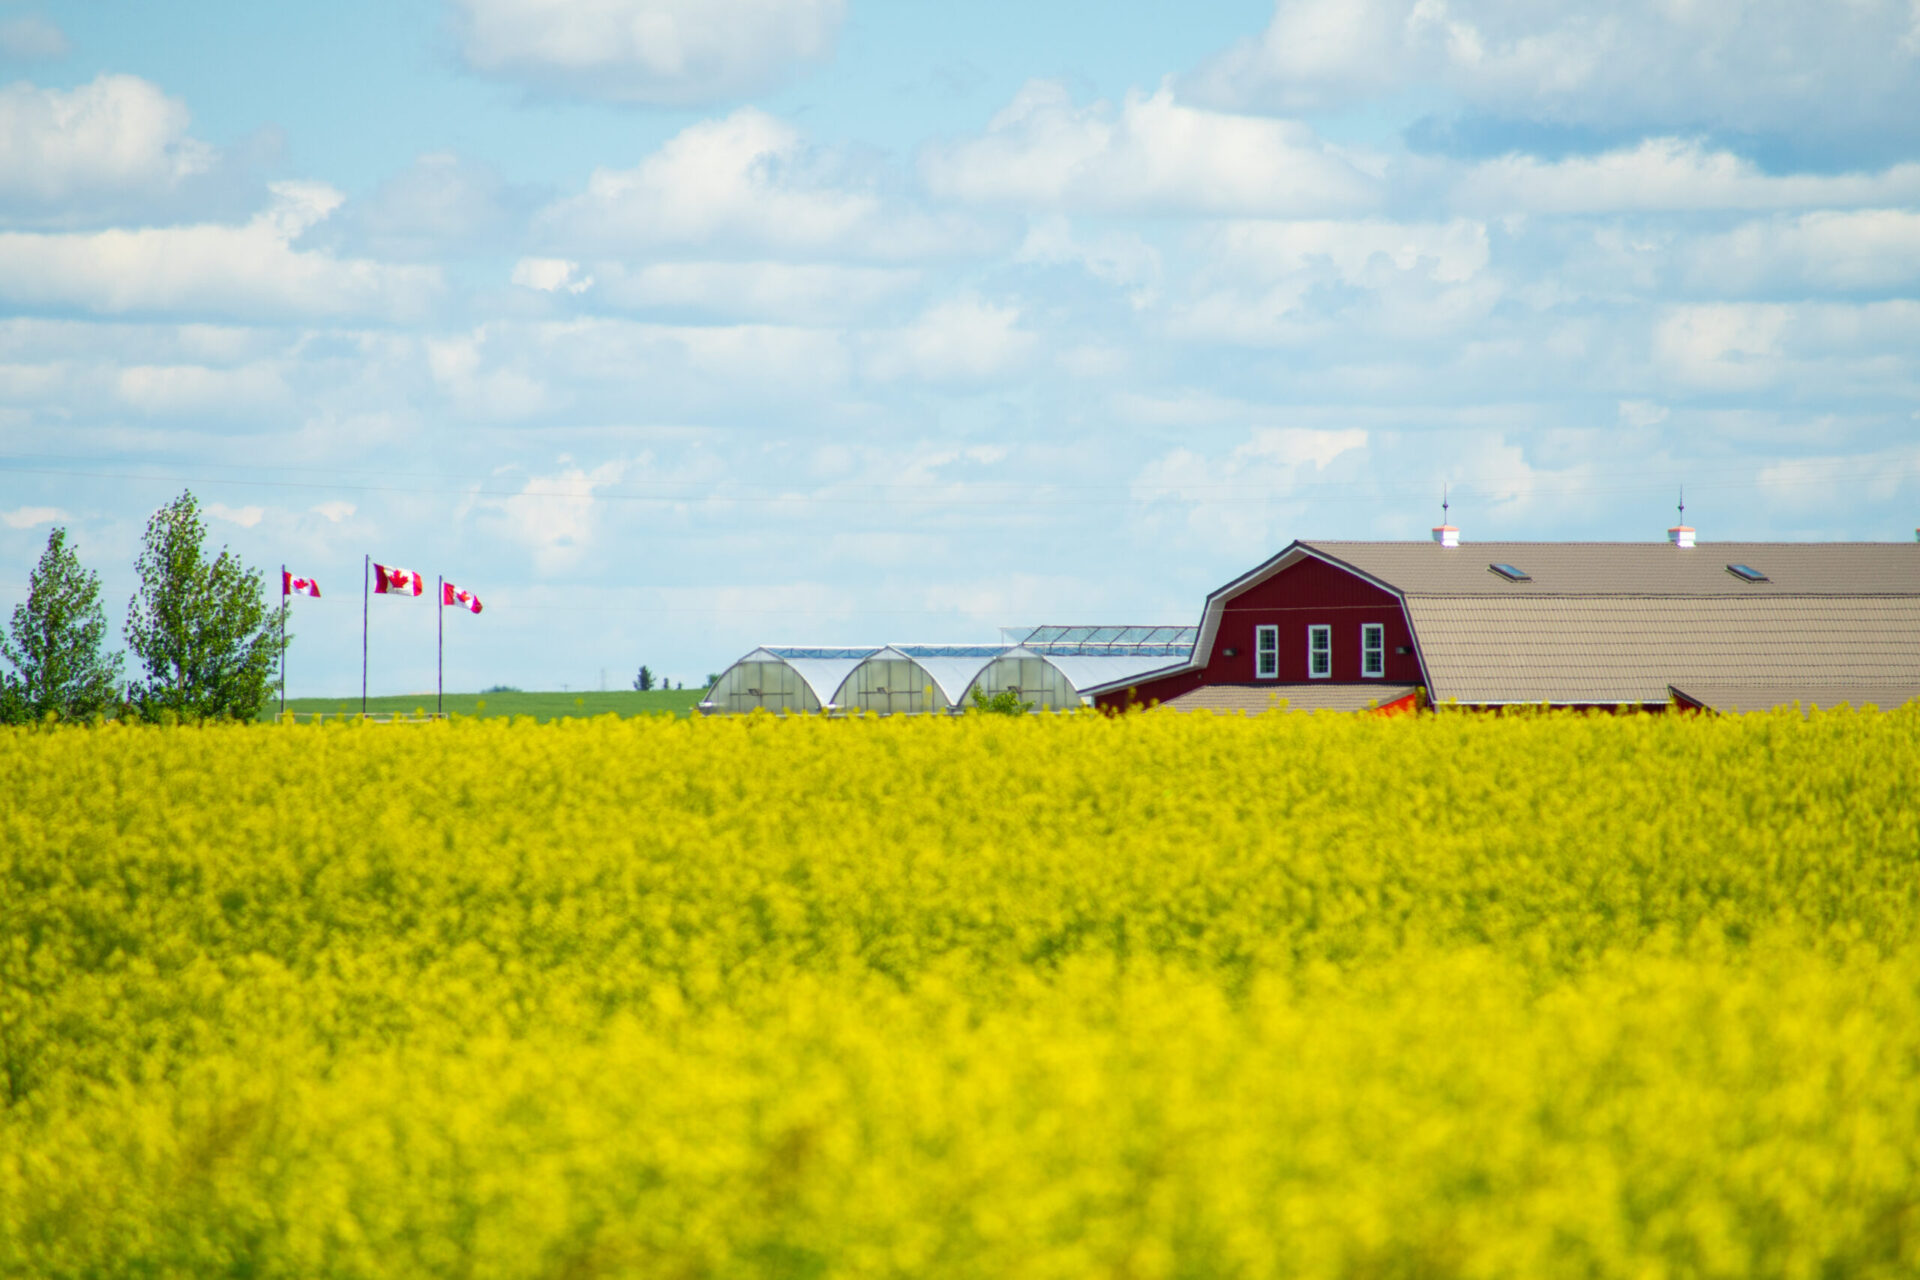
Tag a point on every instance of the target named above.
point(673, 327)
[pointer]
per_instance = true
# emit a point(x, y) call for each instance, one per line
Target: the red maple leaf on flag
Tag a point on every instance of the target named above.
point(450, 594)
point(388, 580)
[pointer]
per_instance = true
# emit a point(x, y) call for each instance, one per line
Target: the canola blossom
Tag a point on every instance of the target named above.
point(1052, 996)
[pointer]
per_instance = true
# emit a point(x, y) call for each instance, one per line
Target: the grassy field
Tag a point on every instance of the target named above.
point(1153, 997)
point(541, 706)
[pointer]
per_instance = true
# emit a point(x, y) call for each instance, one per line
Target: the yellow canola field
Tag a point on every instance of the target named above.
point(1155, 996)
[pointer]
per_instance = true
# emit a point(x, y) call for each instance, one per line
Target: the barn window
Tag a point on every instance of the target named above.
point(1373, 650)
point(1266, 653)
point(1320, 653)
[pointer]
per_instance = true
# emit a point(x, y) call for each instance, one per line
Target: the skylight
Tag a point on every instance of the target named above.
point(1510, 573)
point(1747, 573)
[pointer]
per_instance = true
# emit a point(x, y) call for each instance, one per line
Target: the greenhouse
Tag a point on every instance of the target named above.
point(1046, 667)
point(782, 679)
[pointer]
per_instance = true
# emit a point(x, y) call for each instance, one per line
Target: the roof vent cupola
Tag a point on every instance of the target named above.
point(1444, 533)
point(1681, 535)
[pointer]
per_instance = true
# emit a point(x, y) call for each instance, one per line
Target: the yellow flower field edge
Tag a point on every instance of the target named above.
point(1047, 996)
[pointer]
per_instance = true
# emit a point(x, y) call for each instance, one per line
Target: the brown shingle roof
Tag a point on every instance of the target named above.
point(1767, 697)
point(1571, 649)
point(1636, 568)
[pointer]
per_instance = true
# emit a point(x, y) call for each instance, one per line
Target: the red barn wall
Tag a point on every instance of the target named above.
point(1309, 593)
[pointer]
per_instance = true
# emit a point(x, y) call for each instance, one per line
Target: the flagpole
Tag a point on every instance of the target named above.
point(440, 650)
point(366, 569)
point(283, 640)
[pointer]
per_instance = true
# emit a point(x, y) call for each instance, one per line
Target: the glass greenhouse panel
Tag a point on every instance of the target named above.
point(1032, 680)
point(769, 686)
point(891, 686)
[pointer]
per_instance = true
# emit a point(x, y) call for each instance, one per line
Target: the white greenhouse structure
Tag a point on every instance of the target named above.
point(1044, 666)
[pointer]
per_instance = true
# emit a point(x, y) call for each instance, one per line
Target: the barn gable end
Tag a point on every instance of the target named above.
point(1295, 591)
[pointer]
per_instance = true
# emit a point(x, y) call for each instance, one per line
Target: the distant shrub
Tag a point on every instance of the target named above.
point(500, 688)
point(1004, 703)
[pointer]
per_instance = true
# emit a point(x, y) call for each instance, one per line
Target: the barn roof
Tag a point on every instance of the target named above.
point(1613, 649)
point(1636, 568)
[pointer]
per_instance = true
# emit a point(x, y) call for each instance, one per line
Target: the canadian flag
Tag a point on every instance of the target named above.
point(292, 586)
point(399, 581)
point(450, 594)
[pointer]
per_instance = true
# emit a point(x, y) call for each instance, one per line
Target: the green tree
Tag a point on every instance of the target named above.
point(56, 643)
point(202, 629)
point(644, 681)
point(1004, 703)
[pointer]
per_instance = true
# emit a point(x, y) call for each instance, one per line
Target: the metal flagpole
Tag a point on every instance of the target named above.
point(283, 640)
point(366, 587)
point(440, 650)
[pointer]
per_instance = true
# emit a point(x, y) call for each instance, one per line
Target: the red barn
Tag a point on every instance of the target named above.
point(1346, 625)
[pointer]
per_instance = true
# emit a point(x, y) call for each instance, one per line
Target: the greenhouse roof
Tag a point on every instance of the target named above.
point(1098, 639)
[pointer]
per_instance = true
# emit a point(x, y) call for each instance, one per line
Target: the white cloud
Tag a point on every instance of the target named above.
point(1746, 346)
point(672, 52)
point(1271, 456)
point(1120, 258)
point(1724, 346)
point(1667, 174)
point(748, 178)
point(245, 517)
point(1831, 250)
point(1286, 282)
point(803, 293)
point(1838, 482)
point(1642, 413)
point(199, 390)
point(550, 275)
point(1271, 464)
point(32, 39)
point(441, 203)
point(336, 511)
point(1154, 154)
point(1180, 408)
point(114, 136)
point(1794, 69)
point(699, 365)
point(1358, 251)
point(555, 516)
point(480, 386)
point(253, 269)
point(961, 340)
point(27, 517)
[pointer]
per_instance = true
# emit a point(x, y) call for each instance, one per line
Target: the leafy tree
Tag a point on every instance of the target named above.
point(202, 629)
point(644, 681)
point(1004, 703)
point(56, 643)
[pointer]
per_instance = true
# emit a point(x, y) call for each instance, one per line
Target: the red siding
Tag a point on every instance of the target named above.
point(1309, 593)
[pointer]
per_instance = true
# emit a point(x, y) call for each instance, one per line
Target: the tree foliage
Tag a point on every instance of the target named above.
point(202, 629)
point(1004, 703)
point(56, 643)
point(644, 681)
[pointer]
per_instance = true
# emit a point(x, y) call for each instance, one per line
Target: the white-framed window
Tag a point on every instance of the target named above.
point(1266, 653)
point(1320, 653)
point(1373, 650)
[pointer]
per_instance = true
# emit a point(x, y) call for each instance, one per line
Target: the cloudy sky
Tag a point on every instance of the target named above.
point(672, 327)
